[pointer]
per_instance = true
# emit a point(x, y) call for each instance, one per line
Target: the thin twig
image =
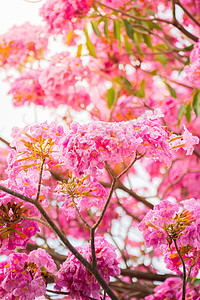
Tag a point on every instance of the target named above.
point(131, 164)
point(146, 276)
point(5, 142)
point(79, 214)
point(37, 220)
point(106, 205)
point(190, 269)
point(184, 271)
point(57, 292)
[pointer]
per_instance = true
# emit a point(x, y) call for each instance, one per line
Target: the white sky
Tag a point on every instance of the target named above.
point(17, 12)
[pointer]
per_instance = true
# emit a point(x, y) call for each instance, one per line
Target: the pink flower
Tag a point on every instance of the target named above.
point(20, 44)
point(78, 281)
point(24, 275)
point(60, 82)
point(33, 144)
point(189, 141)
point(86, 147)
point(26, 89)
point(57, 13)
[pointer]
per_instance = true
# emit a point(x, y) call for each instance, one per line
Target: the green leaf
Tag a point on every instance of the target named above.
point(89, 44)
point(79, 50)
point(123, 82)
point(110, 96)
point(154, 72)
point(161, 46)
point(181, 113)
point(128, 46)
point(129, 29)
point(162, 58)
point(188, 112)
point(147, 40)
point(197, 281)
point(117, 26)
point(155, 26)
point(171, 90)
point(137, 41)
point(189, 48)
point(91, 48)
point(117, 35)
point(149, 12)
point(141, 92)
point(106, 32)
point(196, 103)
point(95, 28)
point(187, 62)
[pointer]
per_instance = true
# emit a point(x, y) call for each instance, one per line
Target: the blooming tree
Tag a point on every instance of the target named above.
point(74, 222)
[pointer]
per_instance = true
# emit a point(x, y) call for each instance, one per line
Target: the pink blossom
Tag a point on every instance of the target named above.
point(189, 141)
point(86, 147)
point(60, 82)
point(84, 192)
point(78, 281)
point(33, 144)
point(24, 275)
point(22, 44)
point(167, 290)
point(26, 89)
point(57, 14)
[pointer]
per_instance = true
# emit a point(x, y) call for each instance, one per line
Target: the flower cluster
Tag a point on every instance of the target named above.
point(186, 141)
point(193, 70)
point(86, 147)
point(78, 281)
point(16, 224)
point(26, 89)
point(60, 82)
point(169, 227)
point(166, 223)
point(34, 144)
point(81, 193)
point(22, 44)
point(57, 13)
point(171, 289)
point(24, 277)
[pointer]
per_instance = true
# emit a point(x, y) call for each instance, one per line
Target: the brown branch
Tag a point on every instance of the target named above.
point(106, 205)
point(146, 276)
point(177, 180)
point(187, 13)
point(121, 186)
point(179, 26)
point(16, 194)
point(129, 166)
point(5, 142)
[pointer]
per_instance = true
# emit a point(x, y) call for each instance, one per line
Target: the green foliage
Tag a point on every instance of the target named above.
point(110, 96)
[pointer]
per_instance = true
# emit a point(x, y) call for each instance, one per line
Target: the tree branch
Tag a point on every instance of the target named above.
point(146, 276)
